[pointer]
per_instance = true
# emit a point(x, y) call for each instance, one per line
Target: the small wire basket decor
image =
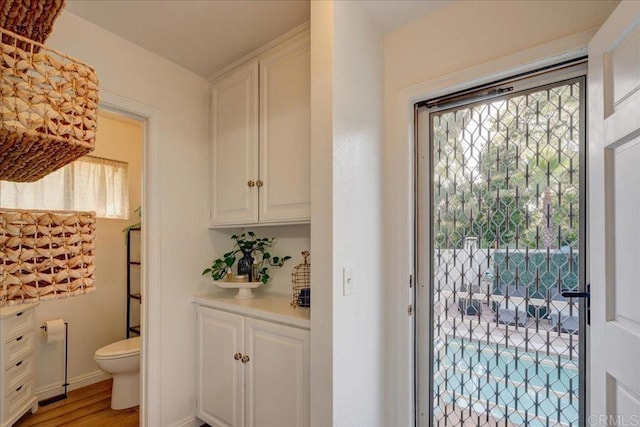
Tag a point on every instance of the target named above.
point(301, 281)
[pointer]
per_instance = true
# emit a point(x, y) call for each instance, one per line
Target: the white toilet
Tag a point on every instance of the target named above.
point(122, 360)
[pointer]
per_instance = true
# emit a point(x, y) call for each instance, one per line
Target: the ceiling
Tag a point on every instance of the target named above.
point(206, 36)
point(391, 14)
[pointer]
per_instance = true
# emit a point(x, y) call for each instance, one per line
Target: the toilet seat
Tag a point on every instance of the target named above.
point(119, 349)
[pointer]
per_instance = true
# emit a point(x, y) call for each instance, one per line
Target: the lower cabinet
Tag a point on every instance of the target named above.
point(251, 372)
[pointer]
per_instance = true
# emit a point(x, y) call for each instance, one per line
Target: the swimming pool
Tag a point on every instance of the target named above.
point(504, 384)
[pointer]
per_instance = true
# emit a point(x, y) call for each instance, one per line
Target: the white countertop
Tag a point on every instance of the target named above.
point(266, 306)
point(13, 309)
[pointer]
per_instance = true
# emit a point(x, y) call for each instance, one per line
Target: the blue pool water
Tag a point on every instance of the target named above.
point(523, 388)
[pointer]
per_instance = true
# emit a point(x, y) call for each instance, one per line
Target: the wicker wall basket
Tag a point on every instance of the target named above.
point(45, 255)
point(48, 109)
point(32, 19)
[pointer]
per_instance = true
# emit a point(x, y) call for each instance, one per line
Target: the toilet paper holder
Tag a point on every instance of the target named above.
point(59, 397)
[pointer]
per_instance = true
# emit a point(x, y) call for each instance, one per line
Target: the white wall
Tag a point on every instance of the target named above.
point(347, 90)
point(176, 193)
point(461, 45)
point(98, 318)
point(465, 34)
point(321, 355)
point(358, 319)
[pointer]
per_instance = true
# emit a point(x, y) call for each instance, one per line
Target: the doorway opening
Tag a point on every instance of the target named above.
point(501, 253)
point(110, 183)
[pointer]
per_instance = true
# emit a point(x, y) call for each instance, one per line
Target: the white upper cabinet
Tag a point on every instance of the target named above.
point(284, 134)
point(234, 148)
point(260, 140)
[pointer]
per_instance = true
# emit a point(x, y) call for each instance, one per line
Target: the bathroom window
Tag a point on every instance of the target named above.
point(88, 184)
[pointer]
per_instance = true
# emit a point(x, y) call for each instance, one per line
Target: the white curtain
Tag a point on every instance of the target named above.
point(88, 184)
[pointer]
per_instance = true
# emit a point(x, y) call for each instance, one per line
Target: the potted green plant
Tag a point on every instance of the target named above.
point(250, 247)
point(138, 224)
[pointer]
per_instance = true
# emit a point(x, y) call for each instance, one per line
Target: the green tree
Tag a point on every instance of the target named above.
point(507, 171)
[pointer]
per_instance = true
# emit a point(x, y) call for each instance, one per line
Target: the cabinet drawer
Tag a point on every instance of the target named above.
point(18, 349)
point(19, 397)
point(17, 324)
point(18, 374)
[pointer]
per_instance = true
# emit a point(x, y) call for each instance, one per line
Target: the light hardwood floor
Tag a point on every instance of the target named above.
point(85, 407)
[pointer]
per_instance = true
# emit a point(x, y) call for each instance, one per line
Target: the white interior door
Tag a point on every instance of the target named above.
point(613, 215)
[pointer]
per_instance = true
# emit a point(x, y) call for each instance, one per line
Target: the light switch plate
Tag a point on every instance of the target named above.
point(347, 281)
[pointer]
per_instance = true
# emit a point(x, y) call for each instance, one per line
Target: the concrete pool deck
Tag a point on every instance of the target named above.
point(536, 335)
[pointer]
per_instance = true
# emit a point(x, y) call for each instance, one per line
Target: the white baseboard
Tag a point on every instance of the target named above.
point(88, 379)
point(189, 421)
point(80, 381)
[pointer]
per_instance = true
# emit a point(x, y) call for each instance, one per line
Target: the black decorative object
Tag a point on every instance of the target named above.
point(245, 264)
point(304, 300)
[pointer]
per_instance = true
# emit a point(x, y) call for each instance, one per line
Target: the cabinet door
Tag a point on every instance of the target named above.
point(220, 376)
point(234, 148)
point(285, 135)
point(277, 375)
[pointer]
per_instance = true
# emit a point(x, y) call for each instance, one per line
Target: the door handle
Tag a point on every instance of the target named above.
point(245, 359)
point(587, 295)
point(237, 356)
point(576, 294)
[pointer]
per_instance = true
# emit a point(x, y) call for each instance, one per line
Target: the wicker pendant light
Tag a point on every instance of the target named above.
point(48, 100)
point(32, 19)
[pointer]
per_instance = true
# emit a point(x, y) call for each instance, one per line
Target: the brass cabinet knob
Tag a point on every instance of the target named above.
point(250, 184)
point(245, 359)
point(259, 183)
point(237, 356)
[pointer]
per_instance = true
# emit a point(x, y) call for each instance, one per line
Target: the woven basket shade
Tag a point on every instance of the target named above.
point(45, 255)
point(48, 109)
point(32, 19)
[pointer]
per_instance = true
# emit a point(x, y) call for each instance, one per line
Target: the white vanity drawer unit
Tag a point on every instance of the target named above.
point(17, 370)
